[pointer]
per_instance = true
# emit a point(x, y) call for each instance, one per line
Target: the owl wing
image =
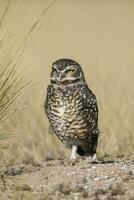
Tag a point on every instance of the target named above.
point(92, 107)
point(47, 107)
point(46, 104)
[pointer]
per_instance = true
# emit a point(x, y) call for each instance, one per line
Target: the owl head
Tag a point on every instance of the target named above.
point(66, 71)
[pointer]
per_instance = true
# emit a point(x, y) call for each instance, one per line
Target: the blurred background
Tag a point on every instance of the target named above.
point(33, 34)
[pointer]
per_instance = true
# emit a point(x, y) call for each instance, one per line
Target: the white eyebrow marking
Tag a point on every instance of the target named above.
point(68, 67)
point(55, 67)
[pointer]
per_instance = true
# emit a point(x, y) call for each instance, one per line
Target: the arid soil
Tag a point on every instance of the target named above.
point(107, 178)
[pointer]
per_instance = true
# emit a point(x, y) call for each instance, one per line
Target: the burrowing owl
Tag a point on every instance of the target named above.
point(71, 108)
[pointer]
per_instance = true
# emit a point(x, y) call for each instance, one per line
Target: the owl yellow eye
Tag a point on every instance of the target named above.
point(70, 71)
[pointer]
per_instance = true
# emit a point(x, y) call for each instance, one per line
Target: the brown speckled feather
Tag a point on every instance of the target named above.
point(72, 111)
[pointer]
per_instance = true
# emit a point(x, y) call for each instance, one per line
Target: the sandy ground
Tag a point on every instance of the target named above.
point(109, 178)
point(98, 35)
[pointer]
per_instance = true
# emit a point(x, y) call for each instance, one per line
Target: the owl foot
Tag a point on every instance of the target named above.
point(92, 159)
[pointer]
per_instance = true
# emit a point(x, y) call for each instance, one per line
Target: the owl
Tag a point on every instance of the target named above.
point(71, 108)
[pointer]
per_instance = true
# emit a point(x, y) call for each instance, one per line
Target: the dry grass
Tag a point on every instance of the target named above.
point(110, 73)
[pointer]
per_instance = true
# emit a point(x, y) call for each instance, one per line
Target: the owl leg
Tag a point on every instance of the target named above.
point(93, 158)
point(74, 151)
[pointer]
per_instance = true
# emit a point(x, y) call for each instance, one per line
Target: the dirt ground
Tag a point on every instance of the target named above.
point(108, 178)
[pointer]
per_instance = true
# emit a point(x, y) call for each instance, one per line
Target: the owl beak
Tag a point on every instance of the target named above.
point(59, 78)
point(56, 79)
point(60, 75)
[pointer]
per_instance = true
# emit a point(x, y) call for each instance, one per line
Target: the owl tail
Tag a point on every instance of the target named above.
point(80, 151)
point(88, 149)
point(87, 152)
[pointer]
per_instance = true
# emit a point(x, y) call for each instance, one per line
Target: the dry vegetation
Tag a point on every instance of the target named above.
point(36, 44)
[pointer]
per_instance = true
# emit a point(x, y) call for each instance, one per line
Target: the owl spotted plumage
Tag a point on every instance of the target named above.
point(71, 108)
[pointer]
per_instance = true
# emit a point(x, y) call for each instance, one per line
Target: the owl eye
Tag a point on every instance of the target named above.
point(70, 71)
point(54, 71)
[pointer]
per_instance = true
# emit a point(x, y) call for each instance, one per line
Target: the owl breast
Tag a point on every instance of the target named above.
point(68, 114)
